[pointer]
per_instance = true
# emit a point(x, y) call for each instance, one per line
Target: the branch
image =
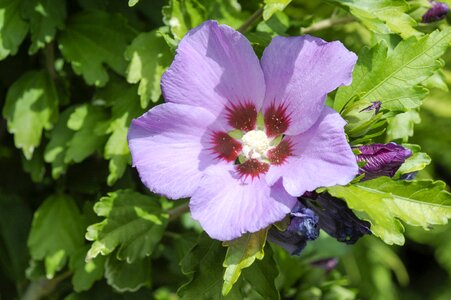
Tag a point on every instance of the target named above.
point(178, 211)
point(43, 287)
point(327, 23)
point(251, 21)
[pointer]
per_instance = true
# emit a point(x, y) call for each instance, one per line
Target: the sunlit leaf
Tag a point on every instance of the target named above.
point(13, 27)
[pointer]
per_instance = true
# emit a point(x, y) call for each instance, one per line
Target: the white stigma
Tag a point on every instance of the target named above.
point(255, 144)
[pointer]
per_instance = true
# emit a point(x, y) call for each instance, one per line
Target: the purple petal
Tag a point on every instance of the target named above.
point(215, 67)
point(382, 159)
point(300, 71)
point(322, 157)
point(228, 207)
point(166, 147)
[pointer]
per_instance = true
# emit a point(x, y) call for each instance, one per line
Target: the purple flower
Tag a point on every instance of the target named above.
point(437, 12)
point(242, 137)
point(382, 159)
point(303, 227)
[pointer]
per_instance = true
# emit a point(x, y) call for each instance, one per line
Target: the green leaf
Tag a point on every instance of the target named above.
point(134, 223)
point(31, 106)
point(92, 40)
point(124, 276)
point(85, 140)
point(46, 16)
point(393, 78)
point(401, 126)
point(56, 232)
point(241, 253)
point(204, 265)
point(382, 16)
point(85, 273)
point(262, 274)
point(149, 57)
point(125, 106)
point(386, 202)
point(418, 161)
point(55, 151)
point(12, 27)
point(182, 15)
point(132, 2)
point(273, 6)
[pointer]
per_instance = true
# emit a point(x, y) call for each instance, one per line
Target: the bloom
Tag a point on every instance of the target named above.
point(382, 159)
point(242, 137)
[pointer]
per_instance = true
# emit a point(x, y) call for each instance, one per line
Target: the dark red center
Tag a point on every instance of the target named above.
point(225, 146)
point(276, 119)
point(242, 116)
point(253, 168)
point(279, 154)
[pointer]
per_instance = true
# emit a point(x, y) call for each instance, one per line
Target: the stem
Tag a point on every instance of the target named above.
point(327, 23)
point(178, 211)
point(251, 21)
point(49, 53)
point(43, 287)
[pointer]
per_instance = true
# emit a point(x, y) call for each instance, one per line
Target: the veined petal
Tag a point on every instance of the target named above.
point(321, 157)
point(215, 68)
point(168, 148)
point(228, 207)
point(299, 72)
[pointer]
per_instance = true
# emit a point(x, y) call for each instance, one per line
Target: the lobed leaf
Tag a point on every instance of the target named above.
point(133, 224)
point(92, 39)
point(31, 106)
point(13, 27)
point(393, 78)
point(273, 6)
point(241, 253)
point(386, 202)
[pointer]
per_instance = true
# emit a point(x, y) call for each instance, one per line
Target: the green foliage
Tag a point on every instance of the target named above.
point(382, 16)
point(149, 57)
point(13, 28)
point(74, 74)
point(93, 39)
point(133, 224)
point(393, 78)
point(273, 6)
point(56, 232)
point(241, 254)
point(31, 106)
point(386, 201)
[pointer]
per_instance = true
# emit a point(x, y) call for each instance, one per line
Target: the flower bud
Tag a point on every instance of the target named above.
point(381, 159)
point(437, 12)
point(361, 117)
point(303, 227)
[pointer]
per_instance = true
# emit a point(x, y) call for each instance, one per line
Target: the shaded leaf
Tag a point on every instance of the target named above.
point(46, 16)
point(85, 273)
point(134, 223)
point(241, 253)
point(56, 232)
point(13, 29)
point(31, 106)
point(124, 276)
point(149, 57)
point(92, 39)
point(385, 202)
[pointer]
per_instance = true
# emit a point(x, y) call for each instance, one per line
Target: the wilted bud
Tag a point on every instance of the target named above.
point(437, 12)
point(303, 227)
point(381, 159)
point(361, 117)
point(337, 219)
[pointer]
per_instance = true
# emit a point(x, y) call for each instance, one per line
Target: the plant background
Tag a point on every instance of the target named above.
point(72, 76)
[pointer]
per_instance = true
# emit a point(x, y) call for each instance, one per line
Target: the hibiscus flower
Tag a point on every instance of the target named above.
point(242, 137)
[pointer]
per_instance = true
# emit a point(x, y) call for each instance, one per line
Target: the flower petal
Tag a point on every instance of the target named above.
point(227, 207)
point(215, 66)
point(299, 72)
point(167, 147)
point(321, 157)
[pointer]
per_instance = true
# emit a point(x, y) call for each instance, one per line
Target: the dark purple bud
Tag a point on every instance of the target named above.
point(303, 227)
point(337, 219)
point(375, 106)
point(437, 12)
point(381, 159)
point(409, 176)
